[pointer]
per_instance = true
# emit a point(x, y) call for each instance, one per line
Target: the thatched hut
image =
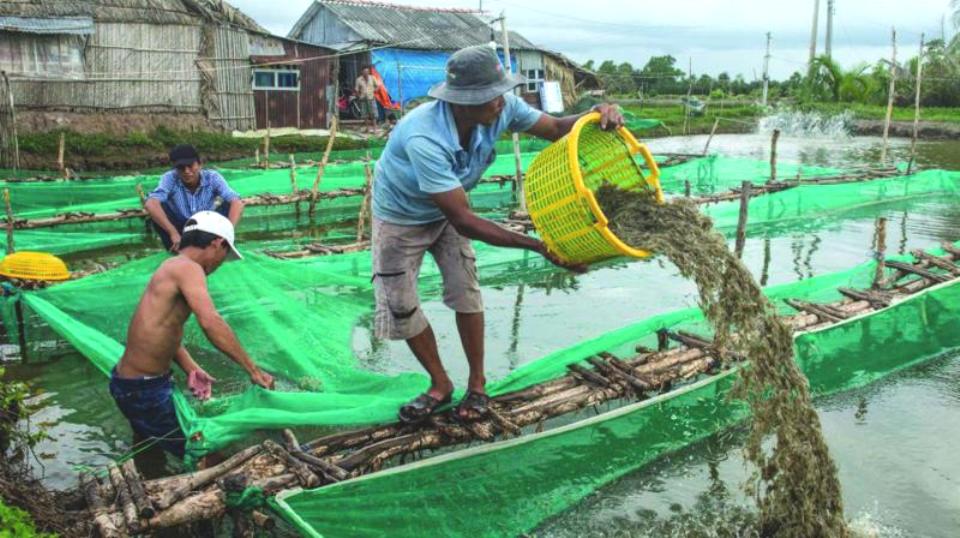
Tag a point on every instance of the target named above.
point(95, 65)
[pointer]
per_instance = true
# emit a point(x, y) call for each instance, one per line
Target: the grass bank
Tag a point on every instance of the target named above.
point(879, 112)
point(147, 151)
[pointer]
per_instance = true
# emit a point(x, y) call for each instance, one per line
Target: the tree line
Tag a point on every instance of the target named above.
point(825, 81)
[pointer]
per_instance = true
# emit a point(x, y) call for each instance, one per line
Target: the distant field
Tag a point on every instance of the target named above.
point(736, 118)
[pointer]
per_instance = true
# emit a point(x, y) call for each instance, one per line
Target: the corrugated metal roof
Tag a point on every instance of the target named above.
point(418, 28)
point(39, 25)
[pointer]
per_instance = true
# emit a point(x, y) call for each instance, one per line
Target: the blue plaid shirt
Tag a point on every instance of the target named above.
point(186, 203)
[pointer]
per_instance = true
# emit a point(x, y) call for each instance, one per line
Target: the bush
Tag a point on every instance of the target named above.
point(15, 523)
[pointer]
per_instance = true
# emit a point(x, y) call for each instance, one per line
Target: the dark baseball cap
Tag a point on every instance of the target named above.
point(475, 76)
point(184, 155)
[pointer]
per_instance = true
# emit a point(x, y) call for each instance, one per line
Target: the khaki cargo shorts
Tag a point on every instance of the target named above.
point(397, 257)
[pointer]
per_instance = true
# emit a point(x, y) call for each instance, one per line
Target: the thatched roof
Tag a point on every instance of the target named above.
point(409, 27)
point(189, 12)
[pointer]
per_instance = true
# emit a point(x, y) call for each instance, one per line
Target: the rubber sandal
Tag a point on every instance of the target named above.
point(420, 408)
point(476, 403)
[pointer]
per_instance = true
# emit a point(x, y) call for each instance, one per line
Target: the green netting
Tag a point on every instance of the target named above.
point(297, 318)
point(509, 488)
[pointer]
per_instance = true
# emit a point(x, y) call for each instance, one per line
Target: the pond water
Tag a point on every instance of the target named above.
point(888, 438)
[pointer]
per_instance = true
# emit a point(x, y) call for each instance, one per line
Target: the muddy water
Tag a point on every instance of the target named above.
point(891, 473)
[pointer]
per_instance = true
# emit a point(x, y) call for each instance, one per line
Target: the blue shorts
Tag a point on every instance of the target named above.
point(148, 405)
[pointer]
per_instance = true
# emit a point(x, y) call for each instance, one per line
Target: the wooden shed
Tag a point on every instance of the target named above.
point(94, 65)
point(293, 82)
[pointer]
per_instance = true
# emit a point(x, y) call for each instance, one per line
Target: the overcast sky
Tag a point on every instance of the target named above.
point(718, 36)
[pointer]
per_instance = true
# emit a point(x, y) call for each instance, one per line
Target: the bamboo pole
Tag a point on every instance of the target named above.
point(140, 194)
point(686, 188)
point(256, 156)
point(916, 108)
point(890, 97)
point(323, 164)
point(713, 130)
point(773, 155)
point(881, 250)
point(742, 220)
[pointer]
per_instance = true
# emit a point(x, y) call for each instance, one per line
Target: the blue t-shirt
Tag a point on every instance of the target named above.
point(424, 157)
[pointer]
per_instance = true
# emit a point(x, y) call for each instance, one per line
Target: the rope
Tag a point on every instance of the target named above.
point(136, 448)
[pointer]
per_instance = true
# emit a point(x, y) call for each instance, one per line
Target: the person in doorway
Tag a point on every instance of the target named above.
point(141, 382)
point(366, 90)
point(434, 155)
point(187, 189)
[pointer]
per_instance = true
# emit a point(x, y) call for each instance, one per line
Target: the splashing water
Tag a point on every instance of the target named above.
point(807, 124)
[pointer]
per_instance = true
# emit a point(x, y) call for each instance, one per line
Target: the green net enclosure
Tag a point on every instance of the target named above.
point(510, 487)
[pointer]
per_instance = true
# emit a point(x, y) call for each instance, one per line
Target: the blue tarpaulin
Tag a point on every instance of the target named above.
point(417, 70)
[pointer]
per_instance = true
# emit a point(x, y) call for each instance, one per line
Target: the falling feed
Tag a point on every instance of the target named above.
point(794, 481)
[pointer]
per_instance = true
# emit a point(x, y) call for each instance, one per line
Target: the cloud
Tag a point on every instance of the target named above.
point(719, 36)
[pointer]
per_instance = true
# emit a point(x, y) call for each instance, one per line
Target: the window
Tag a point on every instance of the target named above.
point(276, 79)
point(41, 56)
point(534, 79)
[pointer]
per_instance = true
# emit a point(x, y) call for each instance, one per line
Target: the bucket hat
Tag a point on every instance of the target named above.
point(475, 76)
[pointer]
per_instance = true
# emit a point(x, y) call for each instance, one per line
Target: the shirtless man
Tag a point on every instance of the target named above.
point(141, 382)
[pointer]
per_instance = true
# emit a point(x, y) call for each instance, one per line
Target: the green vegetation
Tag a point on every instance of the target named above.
point(16, 523)
point(862, 111)
point(14, 443)
point(739, 116)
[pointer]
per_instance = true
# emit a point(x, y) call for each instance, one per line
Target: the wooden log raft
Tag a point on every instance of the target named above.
point(266, 199)
point(597, 380)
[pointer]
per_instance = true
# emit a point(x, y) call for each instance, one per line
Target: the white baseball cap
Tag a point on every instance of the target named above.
point(215, 223)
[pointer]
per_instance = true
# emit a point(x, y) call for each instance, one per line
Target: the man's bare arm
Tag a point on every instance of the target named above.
point(193, 285)
point(236, 211)
point(185, 361)
point(455, 207)
point(156, 212)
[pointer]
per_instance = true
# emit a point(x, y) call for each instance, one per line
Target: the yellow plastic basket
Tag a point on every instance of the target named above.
point(559, 188)
point(39, 266)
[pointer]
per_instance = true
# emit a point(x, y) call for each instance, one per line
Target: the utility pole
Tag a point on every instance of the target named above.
point(766, 72)
point(890, 97)
point(813, 32)
point(828, 48)
point(521, 196)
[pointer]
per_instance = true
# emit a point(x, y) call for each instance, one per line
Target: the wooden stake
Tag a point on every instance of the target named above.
point(773, 154)
point(256, 156)
point(293, 174)
point(686, 188)
point(916, 109)
point(141, 194)
point(323, 165)
point(6, 200)
point(266, 147)
point(713, 131)
point(881, 250)
point(367, 191)
point(742, 220)
point(890, 97)
point(60, 151)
